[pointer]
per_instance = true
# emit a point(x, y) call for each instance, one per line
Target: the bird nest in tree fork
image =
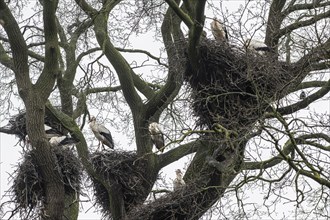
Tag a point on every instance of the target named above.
point(17, 124)
point(28, 185)
point(124, 169)
point(231, 86)
point(173, 205)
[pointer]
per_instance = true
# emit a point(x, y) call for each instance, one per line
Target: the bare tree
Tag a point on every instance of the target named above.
point(74, 55)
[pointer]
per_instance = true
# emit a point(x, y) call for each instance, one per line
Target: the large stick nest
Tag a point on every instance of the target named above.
point(17, 124)
point(173, 205)
point(28, 186)
point(123, 168)
point(233, 87)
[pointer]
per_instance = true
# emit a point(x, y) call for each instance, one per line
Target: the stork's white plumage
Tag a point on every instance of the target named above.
point(62, 141)
point(157, 136)
point(101, 133)
point(256, 46)
point(178, 182)
point(27, 139)
point(219, 31)
point(27, 142)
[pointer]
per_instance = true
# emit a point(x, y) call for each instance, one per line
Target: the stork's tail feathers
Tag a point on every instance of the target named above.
point(68, 141)
point(108, 140)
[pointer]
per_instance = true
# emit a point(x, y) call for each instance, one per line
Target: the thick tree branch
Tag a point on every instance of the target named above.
point(61, 33)
point(89, 10)
point(321, 65)
point(66, 75)
point(275, 19)
point(304, 103)
point(195, 34)
point(319, 53)
point(46, 81)
point(142, 86)
point(177, 153)
point(180, 13)
point(310, 84)
point(287, 149)
point(36, 56)
point(298, 7)
point(81, 28)
point(18, 47)
point(66, 78)
point(5, 59)
point(174, 44)
point(312, 173)
point(118, 62)
point(102, 89)
point(299, 24)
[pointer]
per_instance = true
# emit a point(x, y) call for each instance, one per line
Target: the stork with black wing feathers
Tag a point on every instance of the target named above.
point(101, 133)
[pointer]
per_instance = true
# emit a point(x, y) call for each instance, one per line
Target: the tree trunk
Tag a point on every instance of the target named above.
point(46, 160)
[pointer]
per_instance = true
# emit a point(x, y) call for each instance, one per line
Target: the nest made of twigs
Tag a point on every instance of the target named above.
point(173, 205)
point(232, 86)
point(17, 124)
point(28, 186)
point(121, 167)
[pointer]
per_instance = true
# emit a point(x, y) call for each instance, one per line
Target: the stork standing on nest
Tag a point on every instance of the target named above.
point(157, 136)
point(101, 133)
point(178, 182)
point(219, 31)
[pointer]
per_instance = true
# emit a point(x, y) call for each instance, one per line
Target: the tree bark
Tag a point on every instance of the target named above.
point(34, 97)
point(46, 160)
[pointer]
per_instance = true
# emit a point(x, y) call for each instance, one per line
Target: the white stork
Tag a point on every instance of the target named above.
point(101, 133)
point(62, 141)
point(257, 46)
point(219, 31)
point(54, 141)
point(178, 182)
point(157, 136)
